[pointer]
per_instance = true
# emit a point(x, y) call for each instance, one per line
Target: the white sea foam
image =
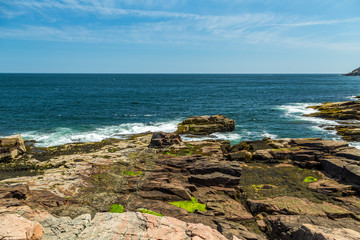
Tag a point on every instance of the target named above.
point(352, 97)
point(268, 135)
point(243, 135)
point(355, 144)
point(297, 110)
point(59, 136)
point(229, 136)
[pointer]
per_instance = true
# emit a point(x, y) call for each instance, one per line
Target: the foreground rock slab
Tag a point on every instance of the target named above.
point(15, 227)
point(132, 225)
point(241, 186)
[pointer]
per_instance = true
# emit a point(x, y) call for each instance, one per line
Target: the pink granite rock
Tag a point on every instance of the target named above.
point(15, 227)
point(131, 225)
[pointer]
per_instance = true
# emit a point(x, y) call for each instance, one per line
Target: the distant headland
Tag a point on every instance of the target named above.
point(355, 72)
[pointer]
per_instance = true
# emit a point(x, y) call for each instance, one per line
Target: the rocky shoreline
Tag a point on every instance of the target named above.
point(346, 116)
point(265, 189)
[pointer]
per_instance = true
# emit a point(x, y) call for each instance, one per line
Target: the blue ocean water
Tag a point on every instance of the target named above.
point(54, 109)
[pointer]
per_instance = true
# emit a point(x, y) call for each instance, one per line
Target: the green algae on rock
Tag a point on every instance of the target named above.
point(190, 206)
point(132, 173)
point(310, 179)
point(117, 208)
point(143, 210)
point(262, 181)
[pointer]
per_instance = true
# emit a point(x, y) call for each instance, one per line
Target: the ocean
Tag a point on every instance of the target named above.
point(55, 109)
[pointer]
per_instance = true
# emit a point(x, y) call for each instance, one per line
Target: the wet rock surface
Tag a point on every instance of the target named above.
point(204, 125)
point(265, 189)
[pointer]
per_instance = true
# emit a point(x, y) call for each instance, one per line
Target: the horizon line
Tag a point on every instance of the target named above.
point(160, 73)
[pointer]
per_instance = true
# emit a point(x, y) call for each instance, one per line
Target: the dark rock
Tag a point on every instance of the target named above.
point(310, 228)
point(259, 145)
point(204, 125)
point(202, 167)
point(349, 153)
point(333, 166)
point(342, 168)
point(160, 140)
point(18, 191)
point(215, 179)
point(303, 157)
point(352, 173)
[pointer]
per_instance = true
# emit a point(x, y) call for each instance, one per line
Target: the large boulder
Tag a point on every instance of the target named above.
point(204, 125)
point(160, 140)
point(11, 146)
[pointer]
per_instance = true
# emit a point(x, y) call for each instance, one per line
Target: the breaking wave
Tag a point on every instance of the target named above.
point(62, 135)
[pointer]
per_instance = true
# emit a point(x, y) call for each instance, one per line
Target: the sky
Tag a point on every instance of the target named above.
point(179, 36)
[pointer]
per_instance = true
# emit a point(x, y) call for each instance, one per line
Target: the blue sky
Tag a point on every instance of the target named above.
point(179, 36)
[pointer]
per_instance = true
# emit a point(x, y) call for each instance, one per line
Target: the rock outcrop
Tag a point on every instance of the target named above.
point(344, 113)
point(204, 125)
point(264, 189)
point(11, 146)
point(355, 72)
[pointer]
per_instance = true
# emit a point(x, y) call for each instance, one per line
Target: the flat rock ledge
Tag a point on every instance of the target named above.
point(205, 125)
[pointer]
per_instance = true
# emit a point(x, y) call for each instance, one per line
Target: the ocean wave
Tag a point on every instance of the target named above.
point(228, 136)
point(297, 110)
point(233, 137)
point(61, 135)
point(352, 98)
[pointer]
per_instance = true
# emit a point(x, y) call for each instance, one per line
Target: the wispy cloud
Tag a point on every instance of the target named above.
point(106, 8)
point(168, 27)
